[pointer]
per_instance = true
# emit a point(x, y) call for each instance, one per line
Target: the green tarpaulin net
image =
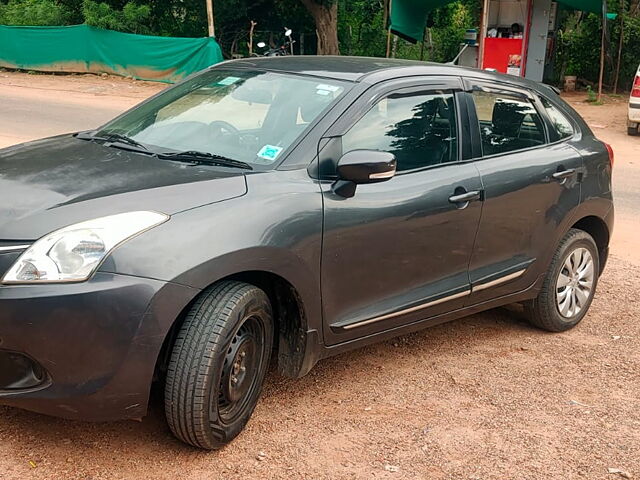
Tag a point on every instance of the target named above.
point(409, 17)
point(81, 48)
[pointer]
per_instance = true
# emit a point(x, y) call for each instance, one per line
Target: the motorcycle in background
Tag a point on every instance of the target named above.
point(285, 48)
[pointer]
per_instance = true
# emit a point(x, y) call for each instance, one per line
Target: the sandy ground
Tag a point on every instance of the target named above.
point(487, 397)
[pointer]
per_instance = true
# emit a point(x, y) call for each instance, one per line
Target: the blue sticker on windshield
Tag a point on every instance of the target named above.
point(228, 81)
point(269, 152)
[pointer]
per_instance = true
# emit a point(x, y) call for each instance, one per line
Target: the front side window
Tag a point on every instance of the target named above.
point(250, 116)
point(507, 122)
point(561, 124)
point(419, 129)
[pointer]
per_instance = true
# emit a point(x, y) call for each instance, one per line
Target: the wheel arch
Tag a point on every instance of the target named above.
point(599, 231)
point(296, 344)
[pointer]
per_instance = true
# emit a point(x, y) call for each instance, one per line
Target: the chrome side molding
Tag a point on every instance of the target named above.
point(498, 281)
point(408, 310)
point(448, 298)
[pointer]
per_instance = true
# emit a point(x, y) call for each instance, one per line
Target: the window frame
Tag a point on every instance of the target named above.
point(497, 89)
point(403, 86)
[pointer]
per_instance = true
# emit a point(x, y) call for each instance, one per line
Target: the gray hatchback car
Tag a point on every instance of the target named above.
point(288, 207)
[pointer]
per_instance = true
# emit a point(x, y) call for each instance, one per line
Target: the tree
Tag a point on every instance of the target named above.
point(325, 15)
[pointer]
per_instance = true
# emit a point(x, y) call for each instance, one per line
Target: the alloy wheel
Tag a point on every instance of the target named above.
point(574, 286)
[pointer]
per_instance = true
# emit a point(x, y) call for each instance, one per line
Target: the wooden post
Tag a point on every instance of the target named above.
point(604, 37)
point(253, 24)
point(212, 28)
point(389, 31)
point(615, 83)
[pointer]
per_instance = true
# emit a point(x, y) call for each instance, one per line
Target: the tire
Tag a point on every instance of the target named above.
point(218, 364)
point(552, 310)
point(633, 131)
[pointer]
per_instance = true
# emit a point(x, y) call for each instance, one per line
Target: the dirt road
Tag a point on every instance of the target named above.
point(487, 397)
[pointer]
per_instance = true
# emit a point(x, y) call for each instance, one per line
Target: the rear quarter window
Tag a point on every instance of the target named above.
point(561, 125)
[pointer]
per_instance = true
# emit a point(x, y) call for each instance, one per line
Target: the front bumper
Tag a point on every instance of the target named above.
point(86, 350)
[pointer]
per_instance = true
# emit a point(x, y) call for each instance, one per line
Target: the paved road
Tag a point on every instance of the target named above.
point(26, 117)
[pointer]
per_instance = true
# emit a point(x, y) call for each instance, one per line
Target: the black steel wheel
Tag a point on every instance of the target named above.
point(218, 364)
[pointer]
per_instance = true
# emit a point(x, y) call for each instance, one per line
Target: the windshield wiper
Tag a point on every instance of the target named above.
point(115, 138)
point(204, 158)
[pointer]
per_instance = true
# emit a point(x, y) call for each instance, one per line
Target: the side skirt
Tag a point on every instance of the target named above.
point(525, 294)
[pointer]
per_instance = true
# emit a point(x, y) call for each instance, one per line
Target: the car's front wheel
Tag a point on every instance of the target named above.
point(569, 285)
point(633, 130)
point(218, 364)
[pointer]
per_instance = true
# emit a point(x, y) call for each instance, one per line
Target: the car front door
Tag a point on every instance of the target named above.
point(397, 252)
point(531, 179)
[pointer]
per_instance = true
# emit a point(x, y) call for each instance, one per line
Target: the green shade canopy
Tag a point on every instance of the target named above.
point(409, 17)
point(593, 6)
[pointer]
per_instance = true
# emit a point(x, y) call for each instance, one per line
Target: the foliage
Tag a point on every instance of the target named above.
point(33, 12)
point(450, 24)
point(630, 59)
point(361, 28)
point(133, 18)
point(579, 41)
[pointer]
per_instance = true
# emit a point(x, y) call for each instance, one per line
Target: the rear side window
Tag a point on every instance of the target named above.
point(507, 122)
point(561, 124)
point(419, 129)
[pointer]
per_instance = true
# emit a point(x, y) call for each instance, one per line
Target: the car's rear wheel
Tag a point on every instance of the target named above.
point(632, 130)
point(569, 286)
point(218, 364)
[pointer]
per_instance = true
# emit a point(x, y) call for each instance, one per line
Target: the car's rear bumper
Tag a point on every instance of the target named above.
point(634, 112)
point(87, 350)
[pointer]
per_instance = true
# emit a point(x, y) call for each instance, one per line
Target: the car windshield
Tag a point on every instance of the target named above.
point(247, 116)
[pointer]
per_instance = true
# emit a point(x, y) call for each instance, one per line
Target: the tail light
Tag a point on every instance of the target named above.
point(635, 91)
point(610, 151)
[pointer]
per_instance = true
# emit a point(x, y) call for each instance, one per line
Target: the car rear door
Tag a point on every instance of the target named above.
point(531, 179)
point(397, 252)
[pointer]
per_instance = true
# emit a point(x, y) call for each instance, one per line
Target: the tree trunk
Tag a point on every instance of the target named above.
point(326, 18)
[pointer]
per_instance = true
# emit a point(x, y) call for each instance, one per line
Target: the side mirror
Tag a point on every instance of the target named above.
point(363, 166)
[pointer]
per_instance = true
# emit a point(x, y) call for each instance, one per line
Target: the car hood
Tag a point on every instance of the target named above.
point(51, 183)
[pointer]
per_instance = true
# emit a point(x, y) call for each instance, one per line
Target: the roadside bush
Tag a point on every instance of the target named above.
point(33, 13)
point(133, 18)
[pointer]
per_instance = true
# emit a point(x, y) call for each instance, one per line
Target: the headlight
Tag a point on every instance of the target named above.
point(73, 253)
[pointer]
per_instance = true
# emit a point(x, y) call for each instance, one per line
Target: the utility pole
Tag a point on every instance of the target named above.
point(602, 47)
point(212, 28)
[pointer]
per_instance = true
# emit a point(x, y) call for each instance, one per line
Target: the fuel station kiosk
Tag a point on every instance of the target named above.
point(515, 36)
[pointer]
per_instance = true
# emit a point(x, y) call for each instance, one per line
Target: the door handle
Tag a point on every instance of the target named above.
point(564, 174)
point(466, 197)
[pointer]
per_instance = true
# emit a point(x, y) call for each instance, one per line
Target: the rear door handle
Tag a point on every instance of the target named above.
point(466, 197)
point(564, 174)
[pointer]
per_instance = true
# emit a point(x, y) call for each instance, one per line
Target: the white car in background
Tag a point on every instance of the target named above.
point(634, 106)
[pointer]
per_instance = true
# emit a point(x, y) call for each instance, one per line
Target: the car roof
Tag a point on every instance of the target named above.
point(372, 69)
